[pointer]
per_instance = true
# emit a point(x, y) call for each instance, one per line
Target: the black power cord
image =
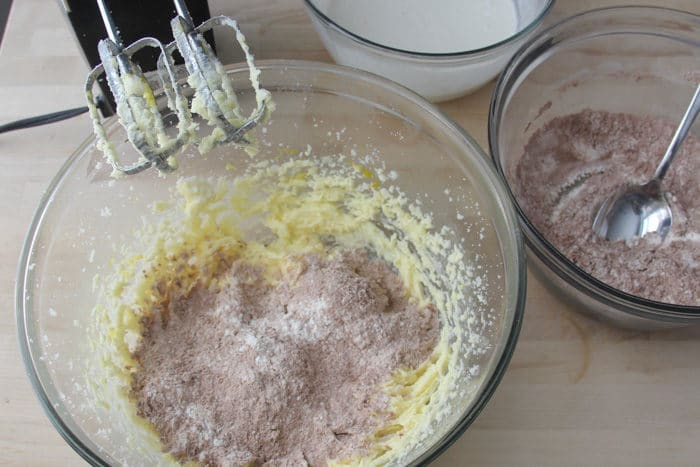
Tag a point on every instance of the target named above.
point(42, 119)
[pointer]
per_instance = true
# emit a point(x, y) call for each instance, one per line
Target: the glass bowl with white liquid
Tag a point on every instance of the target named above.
point(87, 219)
point(441, 50)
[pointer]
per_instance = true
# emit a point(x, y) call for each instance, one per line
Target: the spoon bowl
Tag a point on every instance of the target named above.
point(634, 211)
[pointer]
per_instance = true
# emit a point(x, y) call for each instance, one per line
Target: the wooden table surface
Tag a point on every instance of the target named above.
point(577, 392)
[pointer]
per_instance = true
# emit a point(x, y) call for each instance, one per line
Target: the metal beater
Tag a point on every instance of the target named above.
point(214, 96)
point(215, 99)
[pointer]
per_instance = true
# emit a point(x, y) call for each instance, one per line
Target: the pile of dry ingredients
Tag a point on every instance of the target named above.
point(302, 309)
point(574, 162)
point(256, 373)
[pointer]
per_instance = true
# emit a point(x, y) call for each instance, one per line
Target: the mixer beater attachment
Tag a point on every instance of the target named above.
point(215, 99)
point(214, 96)
point(136, 104)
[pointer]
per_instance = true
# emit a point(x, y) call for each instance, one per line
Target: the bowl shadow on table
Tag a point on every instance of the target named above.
point(565, 362)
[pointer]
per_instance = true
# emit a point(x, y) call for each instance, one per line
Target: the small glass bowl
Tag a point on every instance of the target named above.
point(639, 60)
point(435, 76)
point(85, 216)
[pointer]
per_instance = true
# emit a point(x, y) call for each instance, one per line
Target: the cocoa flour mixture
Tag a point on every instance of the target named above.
point(280, 374)
point(574, 162)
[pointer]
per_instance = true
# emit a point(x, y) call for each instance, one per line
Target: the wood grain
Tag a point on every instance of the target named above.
point(577, 392)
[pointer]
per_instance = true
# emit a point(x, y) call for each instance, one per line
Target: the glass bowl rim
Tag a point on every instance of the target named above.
point(507, 84)
point(511, 236)
point(329, 22)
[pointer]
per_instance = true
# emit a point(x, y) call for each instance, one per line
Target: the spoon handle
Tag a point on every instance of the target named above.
point(679, 136)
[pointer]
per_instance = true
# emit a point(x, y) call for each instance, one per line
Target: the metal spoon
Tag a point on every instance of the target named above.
point(638, 210)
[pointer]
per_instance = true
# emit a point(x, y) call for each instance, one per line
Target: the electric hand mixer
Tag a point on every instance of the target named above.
point(214, 95)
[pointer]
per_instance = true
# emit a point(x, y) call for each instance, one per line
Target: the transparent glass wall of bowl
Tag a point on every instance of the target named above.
point(437, 78)
point(87, 217)
point(644, 61)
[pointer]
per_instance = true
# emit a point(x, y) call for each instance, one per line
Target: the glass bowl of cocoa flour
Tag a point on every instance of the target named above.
point(588, 105)
point(347, 160)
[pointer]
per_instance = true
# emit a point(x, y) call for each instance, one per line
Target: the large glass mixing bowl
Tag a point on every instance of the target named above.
point(86, 215)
